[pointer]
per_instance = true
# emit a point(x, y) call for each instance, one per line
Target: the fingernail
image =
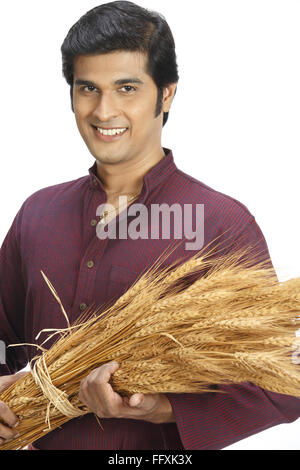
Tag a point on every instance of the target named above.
point(16, 424)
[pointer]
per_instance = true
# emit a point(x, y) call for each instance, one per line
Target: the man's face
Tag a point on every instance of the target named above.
point(106, 96)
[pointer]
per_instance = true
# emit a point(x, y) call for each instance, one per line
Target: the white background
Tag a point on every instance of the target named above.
point(234, 124)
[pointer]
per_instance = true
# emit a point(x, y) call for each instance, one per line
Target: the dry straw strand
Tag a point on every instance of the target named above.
point(234, 323)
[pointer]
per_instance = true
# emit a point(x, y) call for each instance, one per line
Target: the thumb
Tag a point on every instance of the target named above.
point(136, 400)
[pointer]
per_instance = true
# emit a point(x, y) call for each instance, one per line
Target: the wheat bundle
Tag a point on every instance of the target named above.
point(235, 323)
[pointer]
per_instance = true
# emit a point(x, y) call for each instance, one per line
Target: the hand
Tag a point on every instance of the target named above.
point(8, 420)
point(98, 395)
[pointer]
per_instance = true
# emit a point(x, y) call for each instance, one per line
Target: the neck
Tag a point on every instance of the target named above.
point(126, 177)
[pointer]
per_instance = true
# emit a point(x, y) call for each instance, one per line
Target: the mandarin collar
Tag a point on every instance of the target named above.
point(153, 178)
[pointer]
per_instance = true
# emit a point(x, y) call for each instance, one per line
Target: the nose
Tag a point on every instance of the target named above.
point(106, 109)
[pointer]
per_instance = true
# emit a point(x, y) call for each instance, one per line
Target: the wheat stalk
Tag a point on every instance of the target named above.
point(234, 323)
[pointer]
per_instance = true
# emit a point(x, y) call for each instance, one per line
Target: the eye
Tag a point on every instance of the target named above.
point(129, 86)
point(89, 88)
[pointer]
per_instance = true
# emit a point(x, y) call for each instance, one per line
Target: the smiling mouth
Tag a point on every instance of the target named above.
point(110, 135)
point(113, 131)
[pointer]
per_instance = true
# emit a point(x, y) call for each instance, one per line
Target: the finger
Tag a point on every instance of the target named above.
point(83, 394)
point(99, 378)
point(7, 415)
point(6, 432)
point(102, 374)
point(126, 401)
point(97, 393)
point(7, 380)
point(19, 375)
point(107, 370)
point(102, 392)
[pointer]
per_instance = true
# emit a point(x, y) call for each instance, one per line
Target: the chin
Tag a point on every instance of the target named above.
point(109, 159)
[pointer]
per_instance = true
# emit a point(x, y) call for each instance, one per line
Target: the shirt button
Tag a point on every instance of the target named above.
point(95, 182)
point(82, 306)
point(90, 264)
point(93, 222)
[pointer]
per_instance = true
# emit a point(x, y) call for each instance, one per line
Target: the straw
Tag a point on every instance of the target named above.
point(233, 323)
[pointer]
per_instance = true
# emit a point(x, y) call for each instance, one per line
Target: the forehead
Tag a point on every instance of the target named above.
point(112, 65)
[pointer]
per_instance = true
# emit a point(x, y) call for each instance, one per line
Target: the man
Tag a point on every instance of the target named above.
point(119, 60)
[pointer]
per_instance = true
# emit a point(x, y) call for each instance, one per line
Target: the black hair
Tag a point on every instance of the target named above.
point(124, 25)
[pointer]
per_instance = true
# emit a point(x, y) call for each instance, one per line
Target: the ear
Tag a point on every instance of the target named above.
point(168, 95)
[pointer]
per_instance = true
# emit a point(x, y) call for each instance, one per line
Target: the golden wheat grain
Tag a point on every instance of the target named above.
point(235, 323)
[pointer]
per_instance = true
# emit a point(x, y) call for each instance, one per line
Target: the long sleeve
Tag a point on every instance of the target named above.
point(213, 420)
point(12, 301)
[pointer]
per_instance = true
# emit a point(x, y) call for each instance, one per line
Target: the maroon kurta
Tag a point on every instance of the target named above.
point(55, 231)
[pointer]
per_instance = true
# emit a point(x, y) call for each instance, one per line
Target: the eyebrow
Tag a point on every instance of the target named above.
point(121, 81)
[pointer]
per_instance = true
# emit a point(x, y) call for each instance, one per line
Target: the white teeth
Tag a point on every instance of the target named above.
point(111, 131)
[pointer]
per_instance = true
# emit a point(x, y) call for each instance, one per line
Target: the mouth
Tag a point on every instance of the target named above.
point(110, 135)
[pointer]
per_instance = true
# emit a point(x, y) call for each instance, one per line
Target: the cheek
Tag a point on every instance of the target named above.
point(142, 119)
point(82, 124)
point(78, 117)
point(81, 111)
